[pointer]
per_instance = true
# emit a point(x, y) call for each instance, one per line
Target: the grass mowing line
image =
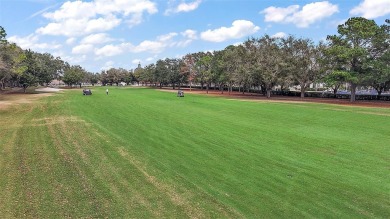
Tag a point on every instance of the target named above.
point(191, 211)
point(5, 170)
point(9, 166)
point(179, 200)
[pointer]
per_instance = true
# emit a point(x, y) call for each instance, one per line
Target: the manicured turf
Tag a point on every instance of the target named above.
point(142, 153)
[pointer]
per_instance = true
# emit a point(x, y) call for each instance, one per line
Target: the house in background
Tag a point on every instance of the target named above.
point(56, 83)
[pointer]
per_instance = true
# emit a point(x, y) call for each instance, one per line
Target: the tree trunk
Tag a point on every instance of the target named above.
point(263, 90)
point(207, 88)
point(268, 93)
point(303, 89)
point(302, 93)
point(378, 97)
point(353, 92)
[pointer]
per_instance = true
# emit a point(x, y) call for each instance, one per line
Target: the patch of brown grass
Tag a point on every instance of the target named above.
point(8, 100)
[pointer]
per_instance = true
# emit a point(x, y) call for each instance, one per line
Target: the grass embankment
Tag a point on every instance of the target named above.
point(144, 153)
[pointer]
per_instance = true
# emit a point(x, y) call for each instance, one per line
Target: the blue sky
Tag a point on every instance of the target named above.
point(99, 34)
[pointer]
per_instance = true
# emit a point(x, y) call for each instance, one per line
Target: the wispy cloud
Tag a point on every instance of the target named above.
point(183, 7)
point(42, 11)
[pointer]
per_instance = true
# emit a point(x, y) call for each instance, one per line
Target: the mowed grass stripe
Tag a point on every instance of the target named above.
point(145, 153)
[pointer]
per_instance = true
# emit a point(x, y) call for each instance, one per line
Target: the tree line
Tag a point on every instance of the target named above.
point(24, 68)
point(358, 55)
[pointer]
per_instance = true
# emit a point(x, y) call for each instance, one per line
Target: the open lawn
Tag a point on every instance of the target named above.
point(143, 153)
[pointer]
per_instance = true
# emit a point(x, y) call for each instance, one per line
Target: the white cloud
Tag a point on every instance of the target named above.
point(372, 9)
point(72, 10)
point(125, 7)
point(74, 59)
point(102, 24)
point(108, 50)
point(32, 42)
point(190, 34)
point(162, 42)
point(183, 43)
point(96, 39)
point(79, 27)
point(183, 7)
point(237, 43)
point(82, 49)
point(186, 7)
point(279, 35)
point(309, 13)
point(275, 14)
point(135, 20)
point(78, 18)
point(107, 65)
point(112, 50)
point(150, 46)
point(71, 40)
point(166, 37)
point(81, 10)
point(239, 28)
point(157, 46)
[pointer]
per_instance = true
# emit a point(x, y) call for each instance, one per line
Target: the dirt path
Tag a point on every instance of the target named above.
point(284, 99)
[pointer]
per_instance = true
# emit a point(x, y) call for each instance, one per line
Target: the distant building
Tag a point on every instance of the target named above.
point(56, 83)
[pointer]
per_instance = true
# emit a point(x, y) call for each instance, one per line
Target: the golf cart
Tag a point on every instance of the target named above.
point(87, 92)
point(180, 93)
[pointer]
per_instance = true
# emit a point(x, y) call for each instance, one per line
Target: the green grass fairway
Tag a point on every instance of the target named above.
point(143, 153)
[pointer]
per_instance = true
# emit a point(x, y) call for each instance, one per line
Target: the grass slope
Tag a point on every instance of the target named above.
point(144, 153)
